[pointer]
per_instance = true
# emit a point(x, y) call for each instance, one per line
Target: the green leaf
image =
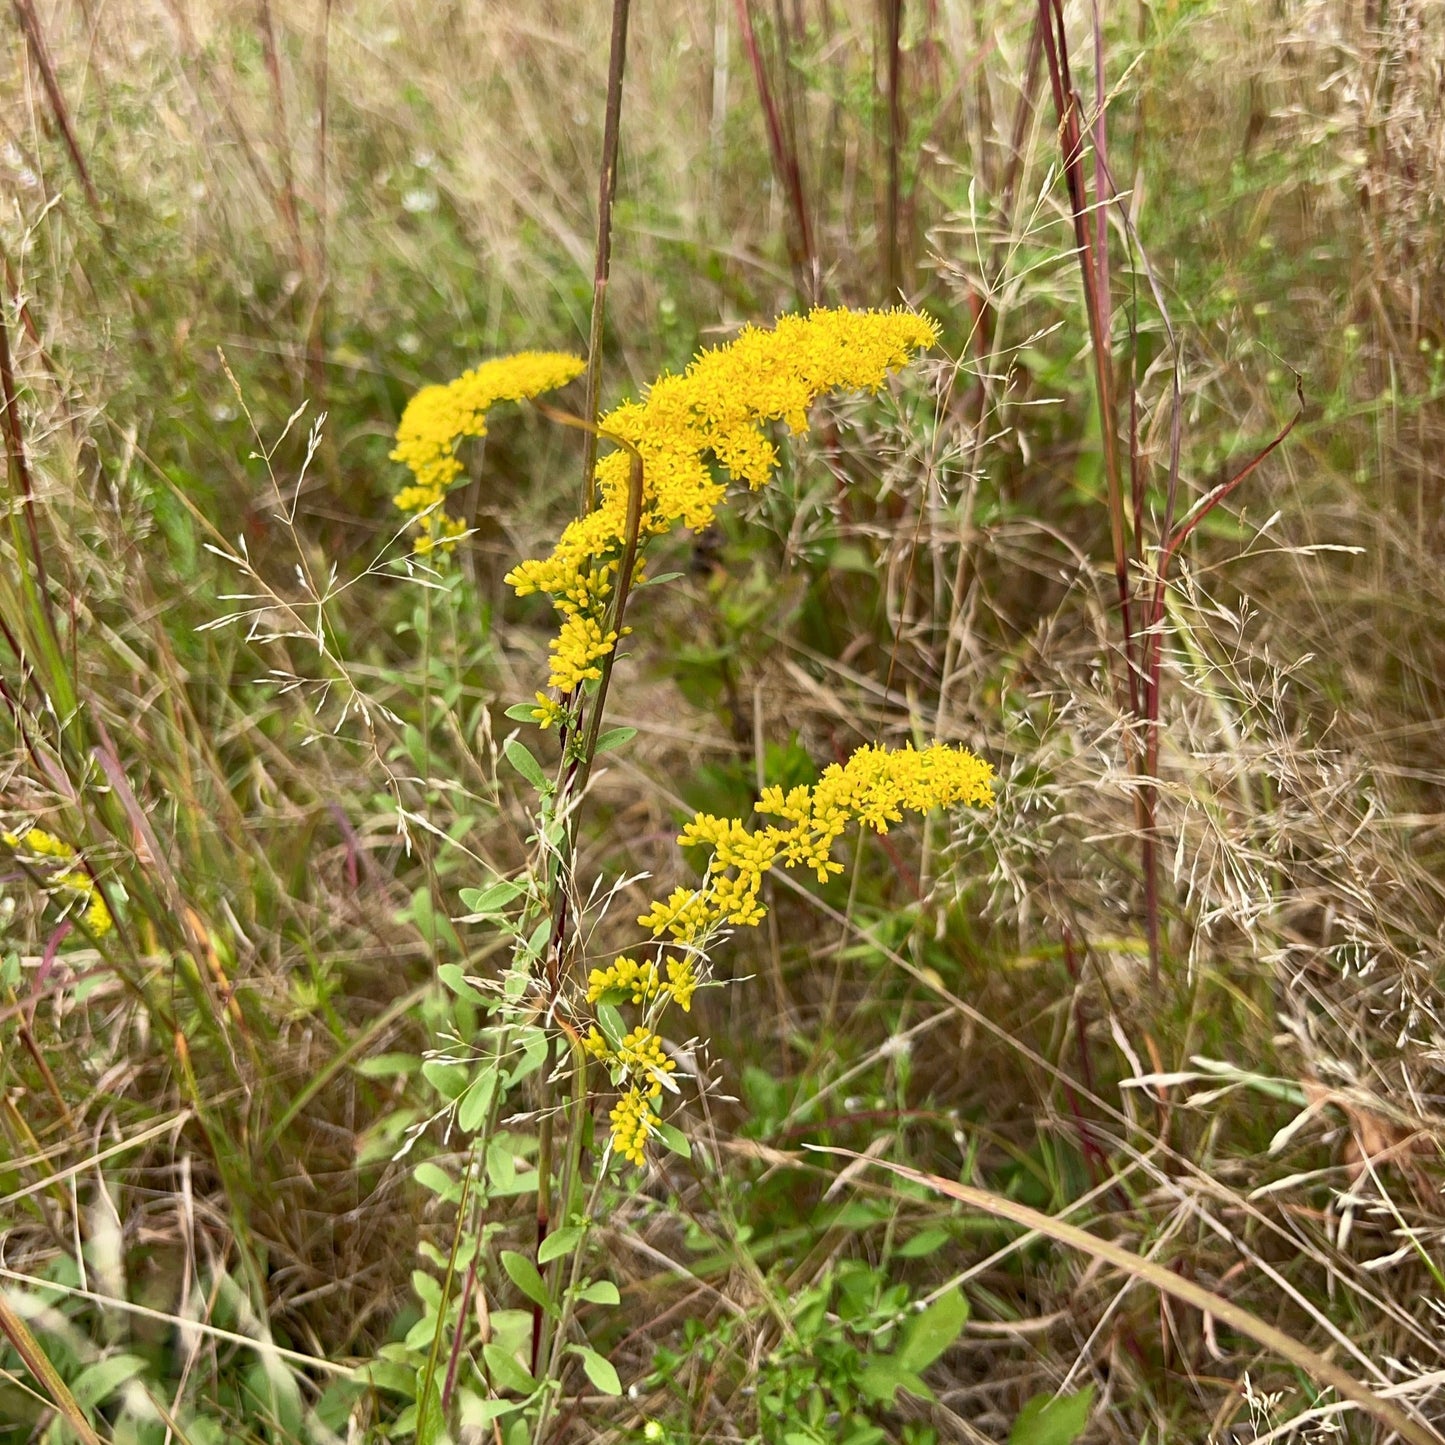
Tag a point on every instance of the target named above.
point(487, 902)
point(522, 712)
point(883, 1377)
point(388, 1375)
point(520, 757)
point(658, 580)
point(431, 1176)
point(524, 1275)
point(675, 1139)
point(476, 1412)
point(429, 1290)
point(99, 1381)
point(558, 1243)
point(614, 738)
point(452, 976)
point(501, 1165)
point(925, 1242)
point(600, 1292)
point(447, 1079)
point(472, 1111)
point(534, 1054)
point(928, 1335)
point(507, 1373)
point(1053, 1420)
point(599, 1370)
point(614, 1026)
point(387, 1066)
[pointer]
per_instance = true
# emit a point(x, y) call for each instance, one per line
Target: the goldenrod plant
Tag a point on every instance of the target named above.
point(555, 1021)
point(364, 1117)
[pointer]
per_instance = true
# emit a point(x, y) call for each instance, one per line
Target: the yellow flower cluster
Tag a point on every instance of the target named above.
point(642, 983)
point(641, 1054)
point(639, 1058)
point(681, 982)
point(717, 408)
point(633, 1122)
point(641, 1065)
point(873, 788)
point(437, 417)
point(37, 845)
point(628, 976)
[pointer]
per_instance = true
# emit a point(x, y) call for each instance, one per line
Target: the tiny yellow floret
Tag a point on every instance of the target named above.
point(681, 982)
point(641, 1053)
point(640, 980)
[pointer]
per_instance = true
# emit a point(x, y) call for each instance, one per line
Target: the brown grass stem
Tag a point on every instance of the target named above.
point(1068, 109)
point(606, 192)
point(892, 244)
point(286, 193)
point(22, 485)
point(40, 53)
point(787, 171)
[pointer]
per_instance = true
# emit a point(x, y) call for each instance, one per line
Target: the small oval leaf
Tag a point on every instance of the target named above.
point(599, 1370)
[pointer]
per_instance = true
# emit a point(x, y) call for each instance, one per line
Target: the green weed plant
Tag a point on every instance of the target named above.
point(561, 1035)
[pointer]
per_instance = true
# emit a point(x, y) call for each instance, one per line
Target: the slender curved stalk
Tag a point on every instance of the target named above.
point(428, 1389)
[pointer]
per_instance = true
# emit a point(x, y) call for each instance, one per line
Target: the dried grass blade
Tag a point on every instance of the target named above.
point(38, 1363)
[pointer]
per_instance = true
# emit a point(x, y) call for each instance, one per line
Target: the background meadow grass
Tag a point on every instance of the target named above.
point(220, 215)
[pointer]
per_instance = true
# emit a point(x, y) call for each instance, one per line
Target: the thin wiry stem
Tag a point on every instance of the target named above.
point(35, 43)
point(607, 189)
point(893, 258)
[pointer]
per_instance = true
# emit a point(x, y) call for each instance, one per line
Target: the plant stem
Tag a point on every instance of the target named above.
point(893, 257)
point(607, 189)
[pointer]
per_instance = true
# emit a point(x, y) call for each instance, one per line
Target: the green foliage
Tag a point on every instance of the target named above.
point(848, 1346)
point(1053, 1419)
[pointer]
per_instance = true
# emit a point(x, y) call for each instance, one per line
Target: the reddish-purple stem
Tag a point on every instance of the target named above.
point(785, 159)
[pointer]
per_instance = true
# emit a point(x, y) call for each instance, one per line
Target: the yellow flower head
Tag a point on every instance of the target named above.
point(640, 980)
point(717, 409)
point(641, 1053)
point(38, 845)
point(633, 1122)
point(681, 982)
point(437, 417)
point(873, 788)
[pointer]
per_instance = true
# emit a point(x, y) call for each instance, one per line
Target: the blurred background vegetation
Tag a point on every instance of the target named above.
point(237, 238)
